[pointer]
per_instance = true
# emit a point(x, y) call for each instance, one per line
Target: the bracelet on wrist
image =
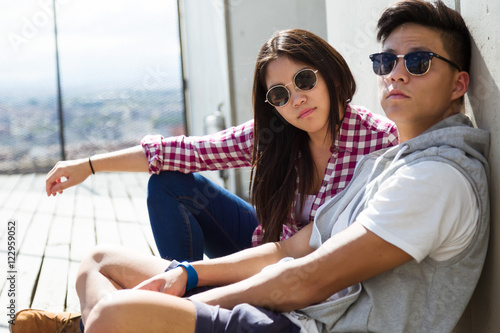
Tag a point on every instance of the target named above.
point(91, 167)
point(192, 281)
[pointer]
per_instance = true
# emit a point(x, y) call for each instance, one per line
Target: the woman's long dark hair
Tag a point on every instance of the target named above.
point(278, 145)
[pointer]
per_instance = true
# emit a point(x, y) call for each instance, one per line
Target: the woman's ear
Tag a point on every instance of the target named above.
point(461, 85)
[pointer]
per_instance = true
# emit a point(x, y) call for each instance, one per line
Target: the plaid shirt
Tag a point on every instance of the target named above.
point(361, 133)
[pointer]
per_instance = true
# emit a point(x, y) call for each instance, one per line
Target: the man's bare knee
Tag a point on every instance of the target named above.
point(105, 316)
point(95, 261)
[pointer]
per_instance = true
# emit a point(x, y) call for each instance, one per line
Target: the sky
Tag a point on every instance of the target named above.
point(124, 44)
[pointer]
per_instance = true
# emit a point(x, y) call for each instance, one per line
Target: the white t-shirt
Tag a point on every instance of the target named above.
point(426, 209)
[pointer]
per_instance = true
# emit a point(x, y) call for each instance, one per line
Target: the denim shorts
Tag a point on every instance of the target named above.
point(243, 318)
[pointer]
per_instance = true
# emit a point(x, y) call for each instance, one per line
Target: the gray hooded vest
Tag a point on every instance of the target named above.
point(429, 296)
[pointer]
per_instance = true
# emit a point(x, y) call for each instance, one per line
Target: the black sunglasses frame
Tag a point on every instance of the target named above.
point(394, 58)
point(295, 85)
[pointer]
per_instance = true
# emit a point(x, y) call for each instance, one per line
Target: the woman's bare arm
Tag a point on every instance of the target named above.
point(76, 171)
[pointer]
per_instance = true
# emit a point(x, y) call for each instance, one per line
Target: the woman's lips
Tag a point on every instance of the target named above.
point(306, 112)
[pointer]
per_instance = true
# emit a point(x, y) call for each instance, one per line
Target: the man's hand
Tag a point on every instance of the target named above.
point(172, 282)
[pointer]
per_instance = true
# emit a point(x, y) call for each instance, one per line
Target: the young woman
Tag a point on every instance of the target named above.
point(302, 145)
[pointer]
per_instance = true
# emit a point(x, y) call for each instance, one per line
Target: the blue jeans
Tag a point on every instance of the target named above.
point(191, 215)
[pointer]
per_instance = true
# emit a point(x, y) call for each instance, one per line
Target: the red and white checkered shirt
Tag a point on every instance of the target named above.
point(361, 133)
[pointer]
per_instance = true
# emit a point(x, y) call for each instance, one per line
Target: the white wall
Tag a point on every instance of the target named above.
point(351, 29)
point(483, 18)
point(204, 56)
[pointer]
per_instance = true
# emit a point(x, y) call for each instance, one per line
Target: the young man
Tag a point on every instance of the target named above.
point(399, 250)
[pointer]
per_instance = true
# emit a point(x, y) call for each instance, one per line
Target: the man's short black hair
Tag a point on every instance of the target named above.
point(454, 32)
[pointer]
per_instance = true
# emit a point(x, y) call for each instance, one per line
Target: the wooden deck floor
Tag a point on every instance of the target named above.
point(53, 234)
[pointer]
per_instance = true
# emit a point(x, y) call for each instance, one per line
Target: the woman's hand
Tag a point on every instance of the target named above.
point(172, 282)
point(75, 172)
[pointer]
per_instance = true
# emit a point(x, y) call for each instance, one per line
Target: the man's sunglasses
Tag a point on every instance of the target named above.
point(416, 63)
point(304, 80)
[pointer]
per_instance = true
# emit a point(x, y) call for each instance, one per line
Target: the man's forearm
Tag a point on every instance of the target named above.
point(349, 257)
point(238, 266)
point(244, 264)
point(282, 287)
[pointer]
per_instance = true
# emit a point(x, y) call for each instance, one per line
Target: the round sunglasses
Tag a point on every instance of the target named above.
point(416, 63)
point(303, 80)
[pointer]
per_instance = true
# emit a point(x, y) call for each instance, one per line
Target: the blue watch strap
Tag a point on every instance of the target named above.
point(192, 281)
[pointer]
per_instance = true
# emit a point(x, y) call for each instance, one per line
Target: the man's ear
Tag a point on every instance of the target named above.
point(461, 85)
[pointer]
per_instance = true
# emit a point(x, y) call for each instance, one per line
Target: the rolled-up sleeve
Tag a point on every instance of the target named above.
point(231, 148)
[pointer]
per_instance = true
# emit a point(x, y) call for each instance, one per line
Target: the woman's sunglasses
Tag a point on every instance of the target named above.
point(416, 63)
point(304, 80)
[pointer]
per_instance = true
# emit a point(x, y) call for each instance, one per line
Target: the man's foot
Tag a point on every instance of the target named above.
point(27, 321)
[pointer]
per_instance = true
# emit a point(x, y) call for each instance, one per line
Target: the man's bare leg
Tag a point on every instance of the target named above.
point(108, 269)
point(142, 311)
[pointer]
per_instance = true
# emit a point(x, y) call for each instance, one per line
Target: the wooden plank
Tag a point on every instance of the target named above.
point(132, 237)
point(66, 203)
point(136, 191)
point(52, 284)
point(149, 237)
point(35, 232)
point(21, 211)
point(107, 232)
point(35, 238)
point(72, 301)
point(103, 207)
point(60, 235)
point(47, 205)
point(142, 179)
point(28, 206)
point(83, 200)
point(15, 198)
point(32, 246)
point(141, 210)
point(55, 233)
point(29, 267)
point(106, 227)
point(121, 201)
point(21, 222)
point(136, 187)
point(124, 209)
point(83, 238)
point(99, 184)
point(6, 289)
point(116, 187)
